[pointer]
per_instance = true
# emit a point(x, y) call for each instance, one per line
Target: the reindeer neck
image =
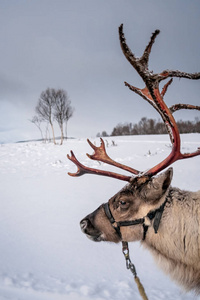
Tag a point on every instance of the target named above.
point(180, 206)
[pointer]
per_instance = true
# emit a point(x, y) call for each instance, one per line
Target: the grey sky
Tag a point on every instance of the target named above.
point(74, 45)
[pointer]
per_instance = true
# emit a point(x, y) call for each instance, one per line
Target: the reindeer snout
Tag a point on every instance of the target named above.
point(90, 230)
point(87, 227)
point(84, 224)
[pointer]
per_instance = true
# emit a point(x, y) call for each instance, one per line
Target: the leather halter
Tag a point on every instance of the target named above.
point(156, 215)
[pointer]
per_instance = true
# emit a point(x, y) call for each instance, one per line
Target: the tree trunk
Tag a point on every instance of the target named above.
point(66, 130)
point(53, 134)
point(62, 135)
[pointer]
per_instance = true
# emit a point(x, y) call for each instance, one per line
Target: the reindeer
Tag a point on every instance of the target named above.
point(148, 209)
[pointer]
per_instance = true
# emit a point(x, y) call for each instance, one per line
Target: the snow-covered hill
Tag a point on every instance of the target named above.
point(43, 254)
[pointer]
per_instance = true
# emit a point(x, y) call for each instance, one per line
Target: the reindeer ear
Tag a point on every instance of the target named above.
point(156, 188)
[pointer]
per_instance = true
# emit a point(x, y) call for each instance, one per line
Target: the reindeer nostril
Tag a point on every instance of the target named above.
point(84, 224)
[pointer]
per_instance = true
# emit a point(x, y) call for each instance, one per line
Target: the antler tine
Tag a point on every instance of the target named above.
point(171, 73)
point(145, 57)
point(86, 170)
point(127, 52)
point(101, 155)
point(179, 106)
point(165, 87)
point(80, 168)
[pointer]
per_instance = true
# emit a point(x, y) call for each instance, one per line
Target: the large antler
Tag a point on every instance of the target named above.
point(151, 94)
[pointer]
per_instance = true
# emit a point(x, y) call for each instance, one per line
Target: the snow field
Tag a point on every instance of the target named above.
point(43, 254)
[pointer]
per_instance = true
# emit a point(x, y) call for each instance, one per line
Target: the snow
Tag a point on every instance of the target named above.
point(43, 253)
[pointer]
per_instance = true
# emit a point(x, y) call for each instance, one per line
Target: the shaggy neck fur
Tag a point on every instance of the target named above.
point(175, 246)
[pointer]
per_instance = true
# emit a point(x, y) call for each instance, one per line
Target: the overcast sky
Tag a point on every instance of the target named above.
point(74, 45)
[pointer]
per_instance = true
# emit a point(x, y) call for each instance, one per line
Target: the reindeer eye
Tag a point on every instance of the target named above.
point(123, 202)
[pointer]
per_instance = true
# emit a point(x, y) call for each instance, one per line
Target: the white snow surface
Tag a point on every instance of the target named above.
point(43, 253)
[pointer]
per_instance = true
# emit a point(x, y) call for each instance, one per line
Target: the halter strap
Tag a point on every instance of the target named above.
point(111, 219)
point(156, 215)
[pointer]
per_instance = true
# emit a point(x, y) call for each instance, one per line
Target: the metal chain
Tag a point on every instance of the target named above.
point(130, 266)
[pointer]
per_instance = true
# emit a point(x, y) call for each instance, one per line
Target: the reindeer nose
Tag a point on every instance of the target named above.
point(84, 224)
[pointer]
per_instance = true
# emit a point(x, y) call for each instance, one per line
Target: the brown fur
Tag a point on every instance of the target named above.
point(176, 246)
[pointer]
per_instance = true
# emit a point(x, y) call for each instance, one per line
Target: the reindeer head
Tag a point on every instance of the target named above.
point(127, 215)
point(122, 217)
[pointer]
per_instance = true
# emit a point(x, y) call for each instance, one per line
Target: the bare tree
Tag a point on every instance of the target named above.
point(62, 110)
point(37, 121)
point(54, 105)
point(44, 108)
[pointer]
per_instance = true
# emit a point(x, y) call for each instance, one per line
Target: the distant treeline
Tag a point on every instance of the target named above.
point(152, 126)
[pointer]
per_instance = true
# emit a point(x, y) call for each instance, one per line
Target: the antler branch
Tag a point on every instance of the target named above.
point(179, 106)
point(170, 73)
point(101, 155)
point(86, 170)
point(165, 87)
point(145, 57)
